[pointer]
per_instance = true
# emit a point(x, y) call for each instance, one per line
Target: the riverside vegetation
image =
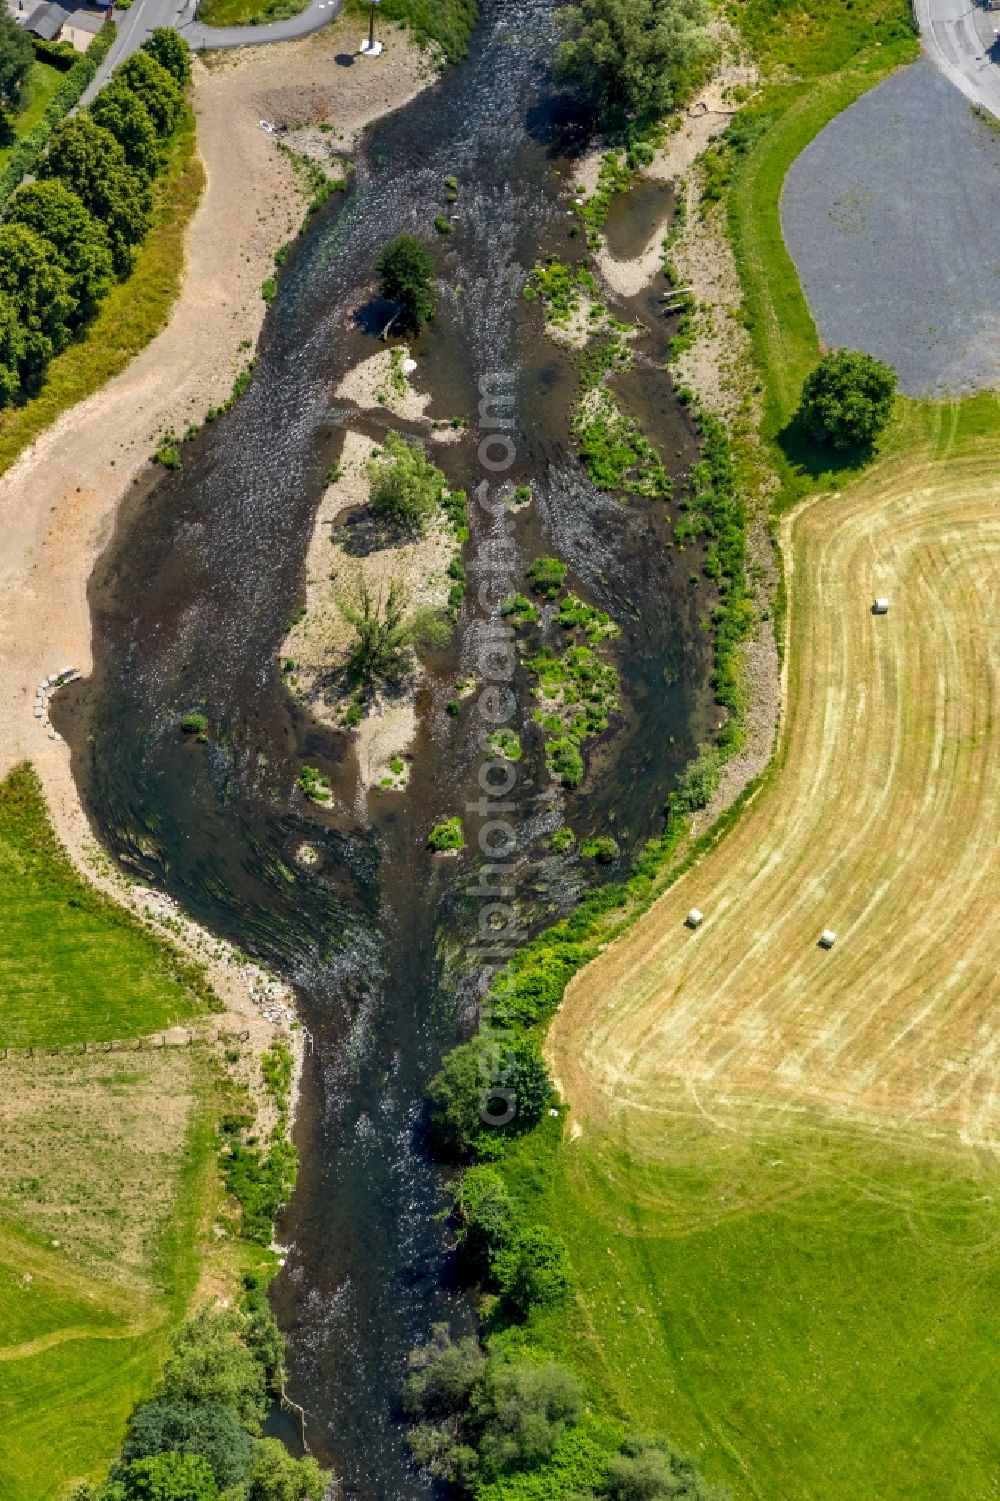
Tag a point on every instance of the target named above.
point(99, 1160)
point(498, 1415)
point(693, 1298)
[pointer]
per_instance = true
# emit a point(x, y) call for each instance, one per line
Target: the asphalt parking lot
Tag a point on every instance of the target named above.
point(892, 217)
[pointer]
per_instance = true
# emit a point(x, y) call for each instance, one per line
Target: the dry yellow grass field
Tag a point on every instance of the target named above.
point(879, 822)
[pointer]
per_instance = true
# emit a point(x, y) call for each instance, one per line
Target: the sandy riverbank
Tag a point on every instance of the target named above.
point(58, 501)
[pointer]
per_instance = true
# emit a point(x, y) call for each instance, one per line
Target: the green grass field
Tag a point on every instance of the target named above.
point(39, 86)
point(807, 1311)
point(73, 966)
point(78, 1351)
point(806, 1307)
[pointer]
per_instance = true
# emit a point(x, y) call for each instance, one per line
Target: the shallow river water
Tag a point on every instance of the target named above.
point(190, 606)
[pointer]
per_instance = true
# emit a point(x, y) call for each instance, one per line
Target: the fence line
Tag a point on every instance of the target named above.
point(150, 1044)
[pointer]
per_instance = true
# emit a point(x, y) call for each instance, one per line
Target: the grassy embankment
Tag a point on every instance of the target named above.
point(800, 1303)
point(133, 312)
point(107, 1161)
point(39, 87)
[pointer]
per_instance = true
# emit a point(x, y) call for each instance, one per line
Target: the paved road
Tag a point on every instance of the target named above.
point(134, 26)
point(959, 39)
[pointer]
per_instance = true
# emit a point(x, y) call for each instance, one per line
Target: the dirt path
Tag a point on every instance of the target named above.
point(58, 502)
point(880, 824)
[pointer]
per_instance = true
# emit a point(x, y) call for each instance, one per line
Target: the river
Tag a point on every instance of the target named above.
point(190, 604)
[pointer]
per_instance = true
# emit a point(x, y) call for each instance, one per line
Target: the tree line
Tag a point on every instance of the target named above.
point(67, 237)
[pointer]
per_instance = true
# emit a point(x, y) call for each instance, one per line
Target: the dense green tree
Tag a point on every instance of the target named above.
point(92, 164)
point(125, 115)
point(519, 1412)
point(38, 287)
point(443, 1375)
point(488, 1220)
point(848, 398)
point(406, 277)
point(208, 1429)
point(482, 1086)
point(535, 1271)
point(157, 89)
point(479, 1415)
point(171, 52)
point(406, 488)
point(626, 56)
point(380, 652)
point(79, 240)
point(210, 1363)
point(276, 1476)
point(13, 351)
point(165, 1477)
point(16, 58)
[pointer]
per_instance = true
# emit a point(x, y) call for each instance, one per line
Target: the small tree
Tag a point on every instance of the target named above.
point(276, 1476)
point(406, 489)
point(627, 56)
point(406, 277)
point(477, 1076)
point(165, 1477)
point(381, 650)
point(487, 1220)
point(171, 52)
point(210, 1363)
point(536, 1271)
point(151, 82)
point(848, 398)
point(125, 116)
point(16, 58)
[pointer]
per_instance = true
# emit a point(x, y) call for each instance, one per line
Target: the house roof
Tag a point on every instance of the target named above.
point(47, 21)
point(87, 20)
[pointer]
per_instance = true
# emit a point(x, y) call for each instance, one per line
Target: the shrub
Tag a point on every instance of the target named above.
point(506, 742)
point(406, 277)
point(210, 1363)
point(535, 1271)
point(446, 835)
point(561, 840)
point(649, 1469)
point(407, 490)
point(602, 848)
point(195, 724)
point(488, 1220)
point(165, 1477)
point(547, 576)
point(276, 1476)
point(697, 782)
point(848, 398)
point(381, 649)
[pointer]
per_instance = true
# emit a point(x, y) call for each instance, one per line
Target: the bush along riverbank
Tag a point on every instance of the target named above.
point(506, 1414)
point(71, 234)
point(198, 1436)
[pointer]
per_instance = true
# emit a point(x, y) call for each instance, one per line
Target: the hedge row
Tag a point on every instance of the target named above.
point(68, 94)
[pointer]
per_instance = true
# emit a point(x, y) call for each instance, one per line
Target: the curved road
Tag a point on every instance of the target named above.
point(959, 38)
point(135, 24)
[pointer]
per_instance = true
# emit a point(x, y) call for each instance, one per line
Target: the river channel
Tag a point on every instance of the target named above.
point(190, 604)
